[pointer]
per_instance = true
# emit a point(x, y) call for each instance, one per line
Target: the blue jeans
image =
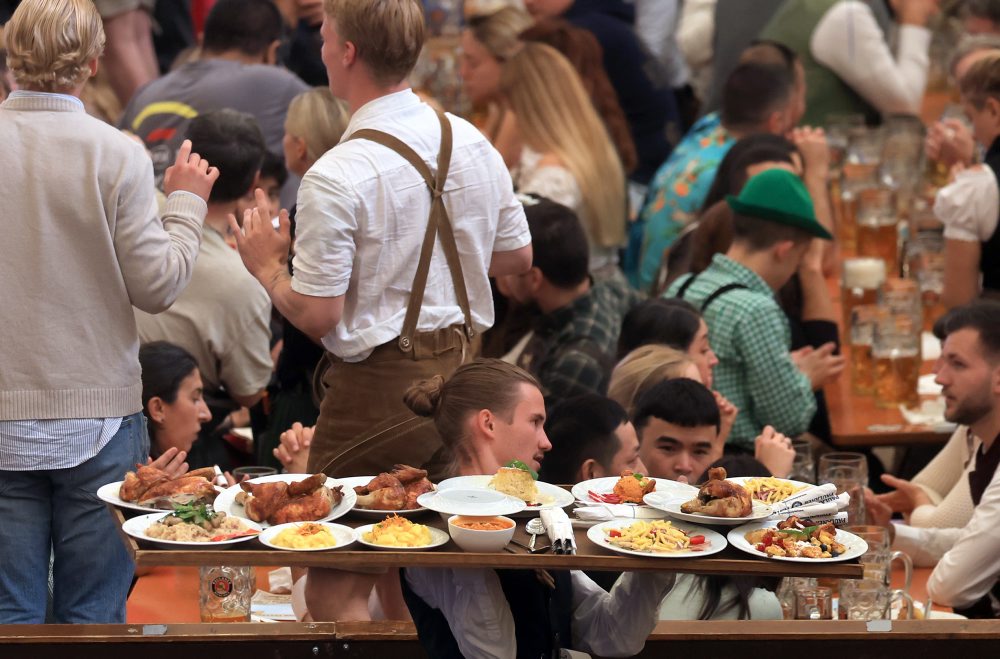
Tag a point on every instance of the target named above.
point(58, 511)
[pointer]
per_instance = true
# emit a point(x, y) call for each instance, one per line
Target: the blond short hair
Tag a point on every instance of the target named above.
point(388, 34)
point(50, 43)
point(319, 119)
point(642, 368)
point(499, 31)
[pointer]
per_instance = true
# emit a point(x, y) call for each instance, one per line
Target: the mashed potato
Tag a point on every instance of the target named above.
point(305, 536)
point(395, 531)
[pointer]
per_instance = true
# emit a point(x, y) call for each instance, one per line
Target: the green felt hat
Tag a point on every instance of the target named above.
point(777, 195)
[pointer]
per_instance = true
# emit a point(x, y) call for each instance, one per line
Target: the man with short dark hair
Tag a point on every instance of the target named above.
point(678, 423)
point(773, 225)
point(222, 318)
point(571, 350)
point(237, 69)
point(968, 559)
point(591, 437)
point(764, 94)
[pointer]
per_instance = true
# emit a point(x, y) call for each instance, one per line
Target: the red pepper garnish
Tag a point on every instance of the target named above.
point(231, 536)
point(613, 533)
point(697, 539)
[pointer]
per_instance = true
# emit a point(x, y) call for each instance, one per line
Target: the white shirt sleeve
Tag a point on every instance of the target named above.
point(970, 205)
point(326, 223)
point(696, 31)
point(474, 605)
point(617, 624)
point(512, 227)
point(925, 546)
point(970, 568)
point(849, 42)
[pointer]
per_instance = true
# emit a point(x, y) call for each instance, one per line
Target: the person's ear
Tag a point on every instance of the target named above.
point(157, 409)
point(271, 54)
point(535, 279)
point(783, 250)
point(350, 54)
point(589, 470)
point(93, 65)
point(486, 423)
point(777, 123)
point(299, 148)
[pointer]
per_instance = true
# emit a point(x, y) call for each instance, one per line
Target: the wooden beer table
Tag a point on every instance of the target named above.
point(588, 557)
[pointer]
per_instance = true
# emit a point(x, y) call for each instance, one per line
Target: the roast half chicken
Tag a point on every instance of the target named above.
point(278, 502)
point(152, 487)
point(720, 498)
point(395, 490)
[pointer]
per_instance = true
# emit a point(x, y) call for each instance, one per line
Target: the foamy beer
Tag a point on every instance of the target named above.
point(861, 280)
point(896, 353)
point(877, 234)
point(861, 337)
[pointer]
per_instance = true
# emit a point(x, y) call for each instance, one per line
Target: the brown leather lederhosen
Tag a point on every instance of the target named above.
point(364, 427)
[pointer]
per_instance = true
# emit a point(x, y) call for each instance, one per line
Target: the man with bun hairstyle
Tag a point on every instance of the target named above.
point(82, 246)
point(773, 225)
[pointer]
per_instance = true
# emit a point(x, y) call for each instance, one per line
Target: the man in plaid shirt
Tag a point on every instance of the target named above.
point(773, 225)
point(572, 346)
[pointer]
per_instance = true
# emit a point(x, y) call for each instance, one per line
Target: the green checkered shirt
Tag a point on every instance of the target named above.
point(749, 334)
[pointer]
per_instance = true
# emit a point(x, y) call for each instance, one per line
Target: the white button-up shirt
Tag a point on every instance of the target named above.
point(362, 213)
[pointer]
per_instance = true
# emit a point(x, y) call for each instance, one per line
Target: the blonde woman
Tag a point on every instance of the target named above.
point(567, 154)
point(645, 366)
point(315, 122)
point(488, 42)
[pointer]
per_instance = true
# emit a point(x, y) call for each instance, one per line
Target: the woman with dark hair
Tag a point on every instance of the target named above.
point(674, 323)
point(172, 402)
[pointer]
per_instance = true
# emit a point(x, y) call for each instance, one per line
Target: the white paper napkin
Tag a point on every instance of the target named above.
point(814, 495)
point(558, 527)
point(602, 512)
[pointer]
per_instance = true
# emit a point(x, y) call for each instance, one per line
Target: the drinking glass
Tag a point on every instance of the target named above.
point(803, 466)
point(879, 558)
point(870, 599)
point(225, 592)
point(861, 279)
point(861, 337)
point(838, 134)
point(878, 232)
point(253, 471)
point(849, 472)
point(896, 353)
point(925, 264)
point(786, 593)
point(814, 603)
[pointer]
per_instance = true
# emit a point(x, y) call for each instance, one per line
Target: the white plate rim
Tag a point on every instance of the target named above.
point(136, 527)
point(268, 533)
point(438, 538)
point(563, 499)
point(354, 481)
point(606, 484)
point(231, 508)
point(856, 547)
point(513, 504)
point(673, 508)
point(717, 541)
point(110, 493)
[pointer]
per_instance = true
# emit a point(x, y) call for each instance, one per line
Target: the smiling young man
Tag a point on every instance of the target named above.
point(968, 559)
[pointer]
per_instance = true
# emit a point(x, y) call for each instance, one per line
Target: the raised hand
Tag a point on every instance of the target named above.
point(774, 451)
point(293, 450)
point(171, 462)
point(264, 251)
point(905, 497)
point(190, 173)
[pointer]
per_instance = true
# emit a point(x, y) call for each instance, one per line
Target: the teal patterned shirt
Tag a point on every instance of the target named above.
point(749, 333)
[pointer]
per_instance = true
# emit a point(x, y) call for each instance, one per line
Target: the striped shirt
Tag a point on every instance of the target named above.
point(53, 443)
point(750, 335)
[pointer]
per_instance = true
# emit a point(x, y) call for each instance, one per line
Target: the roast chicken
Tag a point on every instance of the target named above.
point(152, 487)
point(394, 490)
point(720, 498)
point(278, 502)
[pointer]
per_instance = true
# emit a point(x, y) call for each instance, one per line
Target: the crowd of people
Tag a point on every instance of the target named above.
point(618, 260)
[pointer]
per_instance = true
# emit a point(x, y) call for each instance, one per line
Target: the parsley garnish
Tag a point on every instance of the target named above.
point(517, 464)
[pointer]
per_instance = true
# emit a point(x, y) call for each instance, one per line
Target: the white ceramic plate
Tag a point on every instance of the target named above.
point(344, 535)
point(136, 527)
point(109, 494)
point(855, 546)
point(742, 480)
point(673, 508)
point(552, 496)
point(714, 542)
point(226, 501)
point(606, 485)
point(438, 538)
point(475, 502)
point(361, 481)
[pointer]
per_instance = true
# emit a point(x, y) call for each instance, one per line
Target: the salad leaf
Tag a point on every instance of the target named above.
point(639, 477)
point(193, 513)
point(517, 464)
